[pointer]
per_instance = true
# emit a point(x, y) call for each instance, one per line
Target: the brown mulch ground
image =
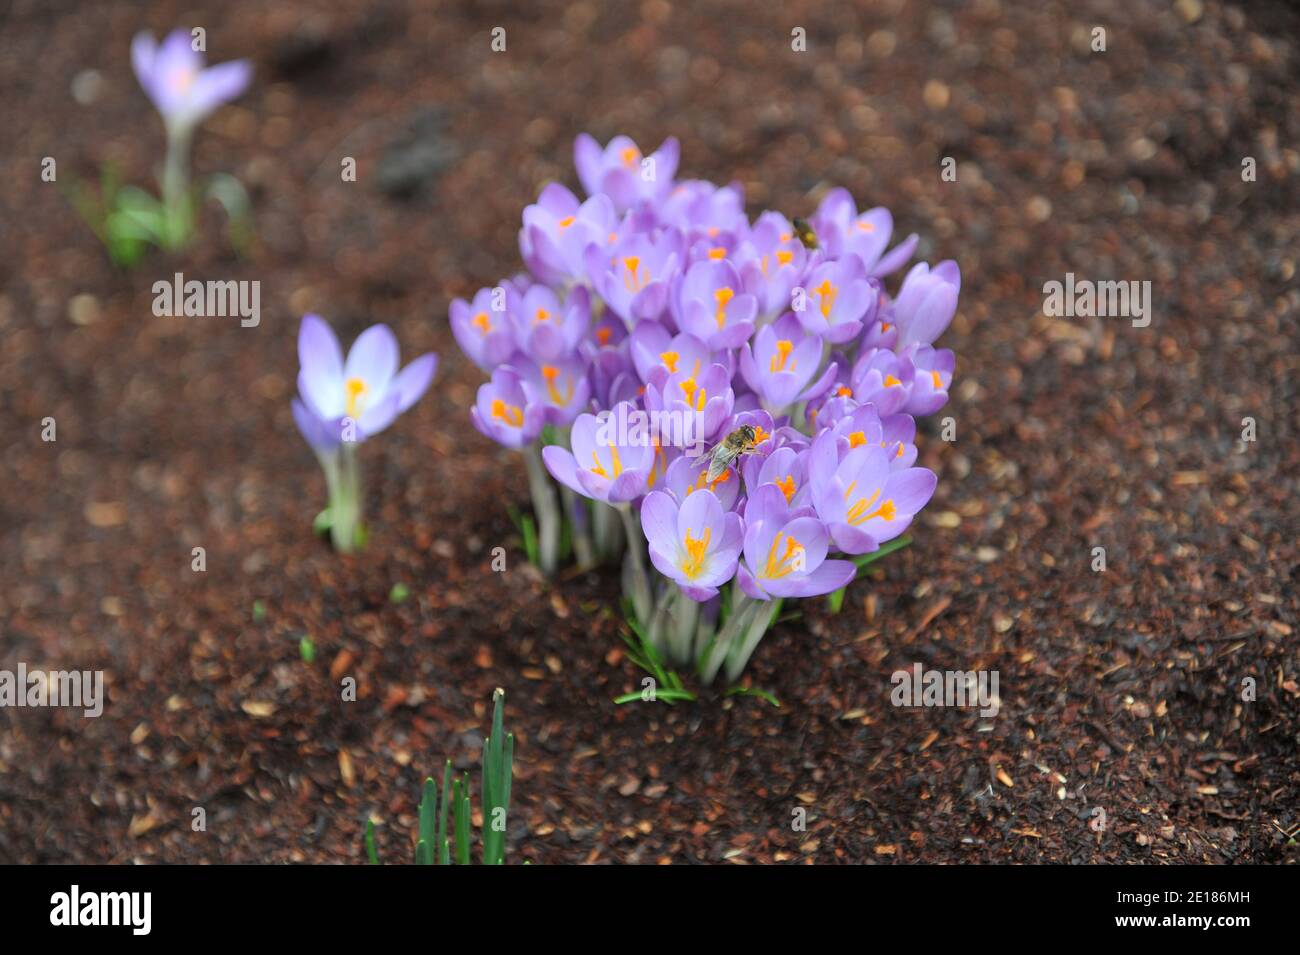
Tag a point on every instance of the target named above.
point(1120, 690)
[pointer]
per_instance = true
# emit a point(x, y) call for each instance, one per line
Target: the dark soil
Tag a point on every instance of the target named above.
point(1121, 691)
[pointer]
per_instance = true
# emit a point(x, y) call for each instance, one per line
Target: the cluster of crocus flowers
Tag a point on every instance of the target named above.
point(657, 324)
point(342, 402)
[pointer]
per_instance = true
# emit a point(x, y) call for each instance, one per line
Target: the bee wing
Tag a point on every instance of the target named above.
point(722, 456)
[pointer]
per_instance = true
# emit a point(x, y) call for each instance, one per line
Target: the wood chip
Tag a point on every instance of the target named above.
point(346, 770)
point(342, 663)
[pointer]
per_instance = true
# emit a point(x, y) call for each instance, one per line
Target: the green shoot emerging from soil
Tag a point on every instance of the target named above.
point(436, 843)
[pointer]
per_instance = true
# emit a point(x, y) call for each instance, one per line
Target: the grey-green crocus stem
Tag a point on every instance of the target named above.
point(175, 187)
point(635, 580)
point(575, 512)
point(684, 617)
point(546, 507)
point(742, 651)
point(743, 611)
point(609, 536)
point(657, 629)
point(343, 479)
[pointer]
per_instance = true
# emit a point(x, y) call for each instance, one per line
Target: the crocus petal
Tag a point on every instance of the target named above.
point(316, 432)
point(220, 84)
point(318, 348)
point(659, 520)
point(897, 257)
point(321, 362)
point(852, 540)
point(830, 576)
point(373, 358)
point(748, 585)
point(143, 51)
point(586, 159)
point(379, 415)
point(414, 380)
point(697, 593)
point(912, 489)
point(821, 385)
point(562, 466)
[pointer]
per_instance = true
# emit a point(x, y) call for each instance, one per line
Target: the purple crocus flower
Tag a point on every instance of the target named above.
point(844, 232)
point(174, 77)
point(883, 379)
point(557, 231)
point(688, 474)
point(612, 373)
point(711, 216)
point(934, 368)
point(771, 261)
point(782, 365)
point(503, 412)
point(600, 466)
point(839, 300)
point(881, 329)
point(695, 544)
point(562, 388)
point(862, 500)
point(927, 302)
point(354, 399)
point(657, 352)
point(785, 551)
point(895, 433)
point(711, 304)
point(633, 275)
point(786, 468)
point(622, 173)
point(482, 329)
point(544, 328)
point(707, 397)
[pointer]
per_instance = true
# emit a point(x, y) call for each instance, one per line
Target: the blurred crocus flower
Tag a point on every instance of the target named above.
point(503, 412)
point(695, 543)
point(927, 302)
point(863, 501)
point(712, 217)
point(621, 172)
point(603, 465)
point(782, 365)
point(174, 77)
point(482, 329)
point(785, 551)
point(341, 402)
point(357, 398)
